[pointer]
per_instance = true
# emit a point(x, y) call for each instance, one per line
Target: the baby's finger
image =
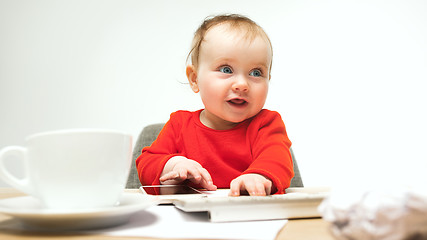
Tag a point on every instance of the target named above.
point(183, 174)
point(255, 188)
point(205, 175)
point(267, 187)
point(169, 176)
point(235, 186)
point(194, 175)
point(207, 182)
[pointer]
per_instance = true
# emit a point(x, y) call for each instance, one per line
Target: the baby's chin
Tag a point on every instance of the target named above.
point(238, 119)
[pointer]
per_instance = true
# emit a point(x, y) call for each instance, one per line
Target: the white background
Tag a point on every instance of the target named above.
point(348, 76)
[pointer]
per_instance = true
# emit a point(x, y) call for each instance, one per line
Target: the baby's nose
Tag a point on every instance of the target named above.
point(240, 84)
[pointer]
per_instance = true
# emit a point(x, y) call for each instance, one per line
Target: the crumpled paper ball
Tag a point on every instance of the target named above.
point(397, 214)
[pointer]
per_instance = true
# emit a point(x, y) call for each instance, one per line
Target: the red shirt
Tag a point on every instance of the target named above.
point(257, 145)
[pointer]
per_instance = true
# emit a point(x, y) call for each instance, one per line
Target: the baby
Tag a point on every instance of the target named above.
point(233, 142)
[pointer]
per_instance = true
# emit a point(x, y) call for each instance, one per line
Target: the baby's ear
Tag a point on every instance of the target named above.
point(192, 77)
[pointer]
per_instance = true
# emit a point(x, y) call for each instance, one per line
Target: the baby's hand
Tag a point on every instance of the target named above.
point(179, 169)
point(254, 184)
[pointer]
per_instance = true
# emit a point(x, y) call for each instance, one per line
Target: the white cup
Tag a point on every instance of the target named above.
point(72, 169)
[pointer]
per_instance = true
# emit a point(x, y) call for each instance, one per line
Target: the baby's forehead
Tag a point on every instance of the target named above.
point(242, 30)
point(242, 33)
point(224, 42)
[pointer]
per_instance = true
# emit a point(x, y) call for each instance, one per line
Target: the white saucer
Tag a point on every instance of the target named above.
point(29, 211)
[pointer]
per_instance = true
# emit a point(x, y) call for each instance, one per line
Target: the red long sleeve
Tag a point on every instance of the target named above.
point(257, 145)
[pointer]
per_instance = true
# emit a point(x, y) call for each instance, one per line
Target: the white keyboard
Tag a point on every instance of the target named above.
point(247, 208)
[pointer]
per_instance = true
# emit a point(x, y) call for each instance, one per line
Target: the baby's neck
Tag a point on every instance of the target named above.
point(214, 122)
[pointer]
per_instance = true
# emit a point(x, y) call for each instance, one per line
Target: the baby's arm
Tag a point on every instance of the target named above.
point(179, 168)
point(254, 184)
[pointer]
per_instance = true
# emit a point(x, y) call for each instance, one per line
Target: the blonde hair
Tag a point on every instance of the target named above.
point(235, 22)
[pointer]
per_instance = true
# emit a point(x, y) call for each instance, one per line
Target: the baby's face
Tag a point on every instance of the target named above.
point(232, 76)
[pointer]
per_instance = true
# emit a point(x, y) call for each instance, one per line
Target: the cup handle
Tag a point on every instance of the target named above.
point(23, 184)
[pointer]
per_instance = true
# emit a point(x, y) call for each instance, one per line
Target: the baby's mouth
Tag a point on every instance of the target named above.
point(237, 101)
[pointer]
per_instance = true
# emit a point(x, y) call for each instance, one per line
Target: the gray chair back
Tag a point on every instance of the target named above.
point(150, 133)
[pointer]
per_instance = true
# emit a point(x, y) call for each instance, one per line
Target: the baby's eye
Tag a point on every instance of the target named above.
point(226, 70)
point(255, 73)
